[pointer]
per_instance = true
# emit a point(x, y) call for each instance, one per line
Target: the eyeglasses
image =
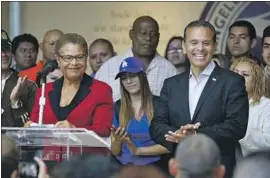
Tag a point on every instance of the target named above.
point(69, 58)
point(173, 50)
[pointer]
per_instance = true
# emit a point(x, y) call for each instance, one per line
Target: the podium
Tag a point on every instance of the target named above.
point(38, 138)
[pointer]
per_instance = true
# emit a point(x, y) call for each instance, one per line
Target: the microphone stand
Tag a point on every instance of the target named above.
point(41, 101)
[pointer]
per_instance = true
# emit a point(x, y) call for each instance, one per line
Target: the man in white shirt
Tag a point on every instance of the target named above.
point(145, 37)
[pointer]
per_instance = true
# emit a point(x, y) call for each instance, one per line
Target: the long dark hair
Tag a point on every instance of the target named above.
point(126, 111)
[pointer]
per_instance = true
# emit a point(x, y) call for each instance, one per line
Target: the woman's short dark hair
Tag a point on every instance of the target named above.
point(73, 38)
point(23, 38)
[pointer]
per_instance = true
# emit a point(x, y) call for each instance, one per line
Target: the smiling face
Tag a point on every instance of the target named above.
point(6, 58)
point(72, 61)
point(199, 46)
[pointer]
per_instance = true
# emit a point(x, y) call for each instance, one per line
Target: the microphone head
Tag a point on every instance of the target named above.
point(52, 63)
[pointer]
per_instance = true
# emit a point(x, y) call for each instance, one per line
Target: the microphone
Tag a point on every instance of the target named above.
point(50, 66)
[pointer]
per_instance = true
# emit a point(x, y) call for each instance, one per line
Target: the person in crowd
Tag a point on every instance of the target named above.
point(75, 95)
point(258, 130)
point(9, 157)
point(47, 45)
point(10, 160)
point(212, 101)
point(133, 171)
point(221, 60)
point(145, 37)
point(131, 141)
point(241, 40)
point(197, 156)
point(91, 166)
point(254, 165)
point(17, 92)
point(174, 53)
point(25, 50)
point(266, 58)
point(100, 51)
point(76, 100)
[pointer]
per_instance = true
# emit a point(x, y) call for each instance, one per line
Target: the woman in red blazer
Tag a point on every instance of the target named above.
point(76, 100)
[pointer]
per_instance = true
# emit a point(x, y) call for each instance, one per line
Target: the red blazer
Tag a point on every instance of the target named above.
point(92, 106)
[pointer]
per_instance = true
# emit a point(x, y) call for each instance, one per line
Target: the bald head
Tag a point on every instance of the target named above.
point(52, 32)
point(48, 44)
point(256, 165)
point(197, 155)
point(145, 37)
point(143, 19)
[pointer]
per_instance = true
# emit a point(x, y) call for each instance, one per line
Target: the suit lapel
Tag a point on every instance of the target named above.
point(54, 96)
point(210, 84)
point(82, 92)
point(185, 94)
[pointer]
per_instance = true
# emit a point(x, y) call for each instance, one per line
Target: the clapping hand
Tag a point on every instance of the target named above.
point(185, 130)
point(119, 134)
point(15, 94)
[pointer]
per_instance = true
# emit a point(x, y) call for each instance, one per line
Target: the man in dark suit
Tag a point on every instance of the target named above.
point(205, 99)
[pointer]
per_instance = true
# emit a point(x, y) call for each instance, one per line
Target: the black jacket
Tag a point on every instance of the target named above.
point(13, 117)
point(222, 110)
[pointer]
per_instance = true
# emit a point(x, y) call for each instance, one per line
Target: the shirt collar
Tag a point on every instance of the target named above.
point(7, 76)
point(152, 64)
point(207, 71)
point(267, 71)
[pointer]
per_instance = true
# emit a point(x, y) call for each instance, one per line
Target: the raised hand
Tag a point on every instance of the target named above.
point(15, 94)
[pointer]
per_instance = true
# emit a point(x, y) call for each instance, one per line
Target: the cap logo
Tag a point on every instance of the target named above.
point(124, 64)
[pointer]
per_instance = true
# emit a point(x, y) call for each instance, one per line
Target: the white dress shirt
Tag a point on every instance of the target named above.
point(258, 130)
point(196, 86)
point(158, 70)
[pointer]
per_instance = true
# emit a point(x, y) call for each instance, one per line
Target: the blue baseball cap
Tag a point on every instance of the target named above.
point(130, 65)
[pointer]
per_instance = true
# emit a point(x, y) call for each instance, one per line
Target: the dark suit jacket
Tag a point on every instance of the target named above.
point(92, 110)
point(222, 111)
point(13, 117)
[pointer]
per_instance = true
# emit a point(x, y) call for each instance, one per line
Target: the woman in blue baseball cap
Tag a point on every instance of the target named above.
point(131, 141)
